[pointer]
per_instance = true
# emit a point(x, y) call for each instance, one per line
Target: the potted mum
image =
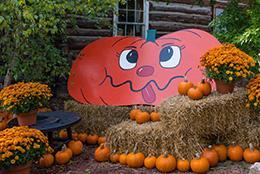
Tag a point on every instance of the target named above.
point(227, 64)
point(23, 99)
point(253, 92)
point(19, 146)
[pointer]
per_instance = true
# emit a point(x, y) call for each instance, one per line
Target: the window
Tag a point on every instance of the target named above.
point(218, 11)
point(131, 18)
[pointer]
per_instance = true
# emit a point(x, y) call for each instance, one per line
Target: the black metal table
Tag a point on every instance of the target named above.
point(49, 122)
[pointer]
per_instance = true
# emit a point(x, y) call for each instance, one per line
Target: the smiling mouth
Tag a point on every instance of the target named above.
point(147, 91)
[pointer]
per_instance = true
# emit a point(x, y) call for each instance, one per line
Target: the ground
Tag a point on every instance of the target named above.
point(85, 164)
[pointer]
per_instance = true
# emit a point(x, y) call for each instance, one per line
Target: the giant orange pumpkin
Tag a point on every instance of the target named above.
point(132, 70)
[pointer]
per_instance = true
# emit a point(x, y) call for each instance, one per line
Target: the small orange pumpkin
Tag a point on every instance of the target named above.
point(63, 134)
point(184, 86)
point(122, 158)
point(63, 156)
point(251, 155)
point(149, 162)
point(142, 117)
point(235, 152)
point(211, 155)
point(155, 116)
point(194, 93)
point(101, 140)
point(135, 160)
point(102, 153)
point(183, 165)
point(199, 164)
point(133, 113)
point(76, 147)
point(114, 157)
point(74, 135)
point(222, 151)
point(3, 125)
point(92, 139)
point(165, 163)
point(46, 161)
point(205, 87)
point(82, 137)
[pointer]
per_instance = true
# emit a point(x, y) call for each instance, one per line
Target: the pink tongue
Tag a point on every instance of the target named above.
point(148, 94)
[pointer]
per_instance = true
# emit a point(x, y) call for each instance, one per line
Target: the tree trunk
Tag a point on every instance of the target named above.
point(9, 75)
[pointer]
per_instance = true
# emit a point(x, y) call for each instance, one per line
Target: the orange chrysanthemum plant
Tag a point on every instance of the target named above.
point(227, 63)
point(253, 92)
point(20, 145)
point(24, 97)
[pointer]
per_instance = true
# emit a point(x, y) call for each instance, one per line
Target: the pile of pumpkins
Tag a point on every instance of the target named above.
point(73, 148)
point(194, 92)
point(142, 117)
point(201, 163)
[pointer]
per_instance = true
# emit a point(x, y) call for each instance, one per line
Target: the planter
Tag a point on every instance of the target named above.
point(223, 87)
point(27, 119)
point(26, 169)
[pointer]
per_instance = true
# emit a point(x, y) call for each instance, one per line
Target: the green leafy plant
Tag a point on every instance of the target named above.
point(240, 26)
point(29, 31)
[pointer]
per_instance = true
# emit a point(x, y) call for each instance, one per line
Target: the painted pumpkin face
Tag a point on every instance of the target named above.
point(132, 70)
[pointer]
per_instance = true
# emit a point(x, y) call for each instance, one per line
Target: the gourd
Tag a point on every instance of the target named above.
point(114, 157)
point(101, 140)
point(235, 152)
point(76, 147)
point(183, 165)
point(122, 158)
point(184, 86)
point(211, 155)
point(135, 159)
point(194, 93)
point(133, 113)
point(199, 164)
point(149, 162)
point(165, 163)
point(102, 153)
point(205, 87)
point(82, 137)
point(92, 139)
point(63, 156)
point(63, 134)
point(142, 117)
point(46, 161)
point(155, 116)
point(222, 152)
point(251, 155)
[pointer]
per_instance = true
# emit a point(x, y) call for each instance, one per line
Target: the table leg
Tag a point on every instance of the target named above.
point(50, 138)
point(69, 131)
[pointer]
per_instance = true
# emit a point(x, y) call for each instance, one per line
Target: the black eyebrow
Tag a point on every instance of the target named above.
point(171, 38)
point(130, 47)
point(167, 44)
point(119, 40)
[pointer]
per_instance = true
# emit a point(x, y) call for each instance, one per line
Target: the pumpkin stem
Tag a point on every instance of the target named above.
point(210, 146)
point(197, 155)
point(203, 80)
point(135, 148)
point(251, 146)
point(165, 155)
point(64, 147)
point(102, 146)
point(185, 79)
point(233, 143)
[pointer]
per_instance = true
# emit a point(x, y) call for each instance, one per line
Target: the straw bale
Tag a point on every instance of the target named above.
point(187, 126)
point(96, 119)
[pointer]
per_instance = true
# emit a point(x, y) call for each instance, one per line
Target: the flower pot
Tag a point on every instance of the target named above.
point(223, 87)
point(27, 119)
point(25, 169)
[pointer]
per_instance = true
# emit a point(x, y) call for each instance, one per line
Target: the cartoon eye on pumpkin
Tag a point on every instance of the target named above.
point(128, 59)
point(170, 56)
